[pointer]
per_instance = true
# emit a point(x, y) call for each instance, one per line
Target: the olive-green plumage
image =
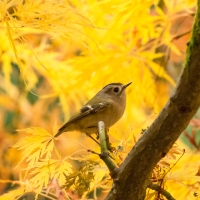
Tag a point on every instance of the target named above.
point(107, 105)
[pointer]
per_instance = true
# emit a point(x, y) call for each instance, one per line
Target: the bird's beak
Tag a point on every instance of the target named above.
point(125, 86)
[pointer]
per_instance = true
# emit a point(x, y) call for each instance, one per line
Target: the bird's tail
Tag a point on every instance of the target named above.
point(58, 133)
point(63, 129)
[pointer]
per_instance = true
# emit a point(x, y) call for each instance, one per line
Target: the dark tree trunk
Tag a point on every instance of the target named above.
point(133, 177)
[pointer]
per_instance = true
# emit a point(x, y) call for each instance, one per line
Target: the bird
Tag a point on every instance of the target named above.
point(108, 105)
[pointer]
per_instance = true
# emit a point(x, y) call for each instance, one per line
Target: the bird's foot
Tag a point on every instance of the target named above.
point(109, 145)
point(97, 133)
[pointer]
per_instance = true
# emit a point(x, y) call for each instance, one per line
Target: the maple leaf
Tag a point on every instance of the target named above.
point(38, 144)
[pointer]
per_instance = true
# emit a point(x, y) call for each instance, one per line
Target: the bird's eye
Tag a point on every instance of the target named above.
point(116, 89)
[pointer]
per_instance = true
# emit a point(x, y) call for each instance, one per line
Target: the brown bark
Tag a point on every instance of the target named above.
point(132, 178)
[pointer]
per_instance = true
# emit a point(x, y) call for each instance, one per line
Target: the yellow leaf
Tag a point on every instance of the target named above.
point(39, 143)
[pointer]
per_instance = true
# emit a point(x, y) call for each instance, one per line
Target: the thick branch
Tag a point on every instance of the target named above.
point(134, 173)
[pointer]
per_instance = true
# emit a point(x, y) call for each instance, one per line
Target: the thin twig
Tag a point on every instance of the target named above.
point(161, 190)
point(104, 150)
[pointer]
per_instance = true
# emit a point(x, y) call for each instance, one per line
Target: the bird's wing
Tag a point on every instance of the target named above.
point(89, 109)
point(86, 110)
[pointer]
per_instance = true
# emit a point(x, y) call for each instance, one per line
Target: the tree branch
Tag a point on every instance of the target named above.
point(161, 191)
point(134, 174)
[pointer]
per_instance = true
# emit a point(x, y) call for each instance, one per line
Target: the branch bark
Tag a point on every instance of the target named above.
point(133, 176)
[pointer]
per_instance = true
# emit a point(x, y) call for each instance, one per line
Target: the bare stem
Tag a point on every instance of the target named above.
point(104, 150)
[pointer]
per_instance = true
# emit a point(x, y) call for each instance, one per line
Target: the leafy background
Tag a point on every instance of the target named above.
point(54, 56)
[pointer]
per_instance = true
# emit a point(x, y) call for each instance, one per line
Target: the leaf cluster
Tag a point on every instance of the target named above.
point(81, 179)
point(55, 55)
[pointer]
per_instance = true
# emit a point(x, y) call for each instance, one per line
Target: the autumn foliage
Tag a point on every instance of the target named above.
point(56, 55)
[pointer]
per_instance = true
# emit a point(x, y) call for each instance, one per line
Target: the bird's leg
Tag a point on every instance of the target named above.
point(92, 138)
point(109, 146)
point(97, 135)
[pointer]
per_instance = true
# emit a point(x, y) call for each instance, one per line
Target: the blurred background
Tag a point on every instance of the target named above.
point(56, 55)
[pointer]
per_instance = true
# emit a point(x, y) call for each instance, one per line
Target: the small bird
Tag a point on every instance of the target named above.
point(107, 105)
